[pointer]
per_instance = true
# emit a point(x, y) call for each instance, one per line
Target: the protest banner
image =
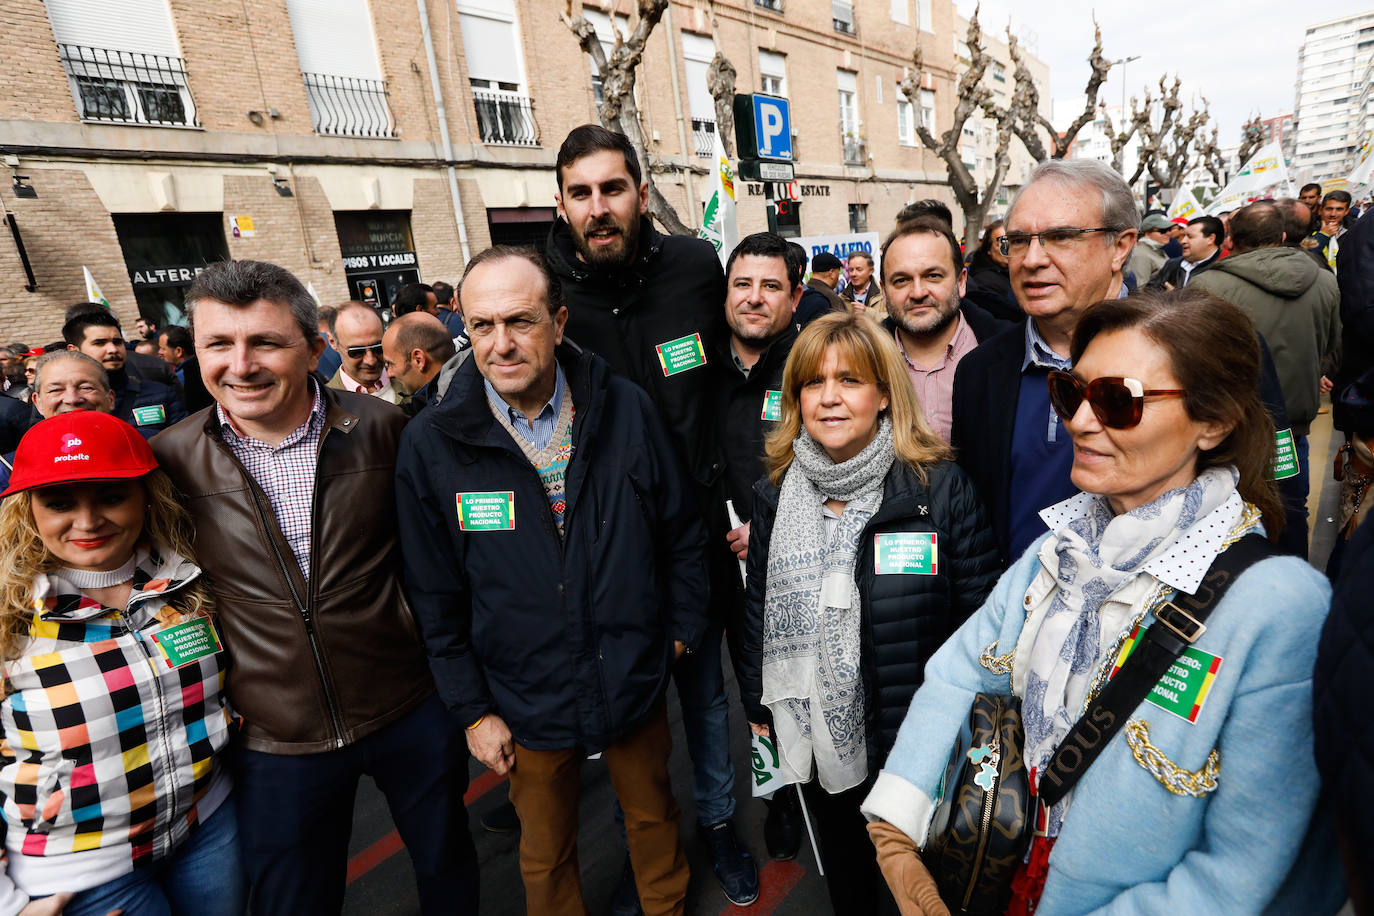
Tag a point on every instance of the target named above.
point(720, 225)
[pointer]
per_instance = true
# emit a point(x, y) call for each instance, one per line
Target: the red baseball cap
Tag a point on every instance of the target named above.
point(1179, 221)
point(79, 446)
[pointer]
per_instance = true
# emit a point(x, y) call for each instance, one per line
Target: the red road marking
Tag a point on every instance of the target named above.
point(776, 880)
point(391, 844)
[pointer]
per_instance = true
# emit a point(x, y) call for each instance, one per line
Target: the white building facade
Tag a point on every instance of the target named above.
point(1332, 77)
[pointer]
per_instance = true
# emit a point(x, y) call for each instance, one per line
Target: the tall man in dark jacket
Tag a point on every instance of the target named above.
point(649, 305)
point(1005, 434)
point(553, 556)
point(291, 487)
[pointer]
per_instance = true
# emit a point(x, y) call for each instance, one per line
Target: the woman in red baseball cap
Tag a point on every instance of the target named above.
point(113, 788)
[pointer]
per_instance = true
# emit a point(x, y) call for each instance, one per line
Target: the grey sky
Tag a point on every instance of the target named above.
point(1242, 57)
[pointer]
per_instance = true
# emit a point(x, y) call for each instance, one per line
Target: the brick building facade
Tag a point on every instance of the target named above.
point(186, 130)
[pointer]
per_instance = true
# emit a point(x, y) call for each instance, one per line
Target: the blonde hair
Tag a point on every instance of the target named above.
point(166, 526)
point(867, 350)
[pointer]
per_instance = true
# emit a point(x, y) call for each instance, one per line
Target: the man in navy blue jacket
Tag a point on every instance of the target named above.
point(555, 563)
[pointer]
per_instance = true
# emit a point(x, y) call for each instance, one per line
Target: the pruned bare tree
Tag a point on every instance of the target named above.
point(1120, 139)
point(1169, 147)
point(1251, 139)
point(1210, 156)
point(618, 110)
point(972, 97)
point(1027, 119)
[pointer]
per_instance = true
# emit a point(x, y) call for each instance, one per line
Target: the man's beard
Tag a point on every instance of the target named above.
point(615, 256)
point(945, 316)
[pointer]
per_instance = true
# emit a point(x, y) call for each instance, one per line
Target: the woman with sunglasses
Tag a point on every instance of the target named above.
point(867, 548)
point(112, 782)
point(1203, 796)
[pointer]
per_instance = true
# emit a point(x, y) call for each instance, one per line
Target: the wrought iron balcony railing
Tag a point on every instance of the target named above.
point(704, 136)
point(348, 106)
point(774, 5)
point(128, 87)
point(505, 117)
point(855, 150)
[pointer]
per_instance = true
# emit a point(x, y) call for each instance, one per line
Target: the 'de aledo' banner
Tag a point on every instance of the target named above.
point(842, 246)
point(1263, 176)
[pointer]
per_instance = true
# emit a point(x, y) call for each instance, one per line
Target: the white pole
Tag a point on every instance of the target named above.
point(806, 816)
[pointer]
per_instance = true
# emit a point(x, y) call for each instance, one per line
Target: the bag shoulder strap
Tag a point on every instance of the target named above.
point(1178, 624)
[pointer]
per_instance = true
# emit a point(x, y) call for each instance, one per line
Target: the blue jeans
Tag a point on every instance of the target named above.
point(296, 813)
point(706, 720)
point(204, 877)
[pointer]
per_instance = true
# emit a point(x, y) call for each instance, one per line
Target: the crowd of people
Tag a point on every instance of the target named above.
point(498, 526)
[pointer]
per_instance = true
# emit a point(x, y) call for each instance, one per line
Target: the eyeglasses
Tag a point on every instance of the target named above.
point(1116, 402)
point(1057, 240)
point(360, 352)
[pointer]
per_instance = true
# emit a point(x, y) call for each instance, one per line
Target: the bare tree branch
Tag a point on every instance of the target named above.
point(1026, 102)
point(1118, 140)
point(618, 110)
point(1251, 139)
point(720, 82)
point(973, 97)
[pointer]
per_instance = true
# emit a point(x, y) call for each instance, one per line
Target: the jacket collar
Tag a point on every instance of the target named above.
point(464, 414)
point(336, 416)
point(562, 253)
point(155, 576)
point(773, 355)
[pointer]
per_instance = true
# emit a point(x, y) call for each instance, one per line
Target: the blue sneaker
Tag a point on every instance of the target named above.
point(733, 866)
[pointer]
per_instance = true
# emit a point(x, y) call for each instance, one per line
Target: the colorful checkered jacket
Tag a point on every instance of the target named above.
point(112, 755)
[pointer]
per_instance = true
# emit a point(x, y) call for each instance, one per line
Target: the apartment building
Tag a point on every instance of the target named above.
point(1333, 71)
point(364, 144)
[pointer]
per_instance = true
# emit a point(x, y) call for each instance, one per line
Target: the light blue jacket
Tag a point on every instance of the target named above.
point(1128, 845)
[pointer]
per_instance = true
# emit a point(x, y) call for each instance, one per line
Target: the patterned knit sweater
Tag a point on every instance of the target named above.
point(551, 462)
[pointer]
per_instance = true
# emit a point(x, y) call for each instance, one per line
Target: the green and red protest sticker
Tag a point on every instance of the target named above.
point(487, 511)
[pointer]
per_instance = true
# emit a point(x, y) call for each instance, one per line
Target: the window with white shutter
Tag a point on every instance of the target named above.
point(773, 73)
point(496, 70)
point(697, 53)
point(123, 62)
point(337, 51)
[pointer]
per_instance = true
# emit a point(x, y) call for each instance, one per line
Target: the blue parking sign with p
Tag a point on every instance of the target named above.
point(772, 127)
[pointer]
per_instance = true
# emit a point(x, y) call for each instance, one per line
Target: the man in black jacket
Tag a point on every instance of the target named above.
point(1201, 248)
point(147, 405)
point(649, 305)
point(763, 287)
point(553, 558)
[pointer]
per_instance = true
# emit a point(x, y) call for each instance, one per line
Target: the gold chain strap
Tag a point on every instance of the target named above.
point(997, 664)
point(1170, 775)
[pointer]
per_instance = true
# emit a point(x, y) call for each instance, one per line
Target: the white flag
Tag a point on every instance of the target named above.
point(720, 225)
point(1361, 181)
point(1185, 205)
point(1264, 175)
point(93, 293)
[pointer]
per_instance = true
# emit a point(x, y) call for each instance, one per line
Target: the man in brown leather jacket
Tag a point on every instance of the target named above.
point(291, 487)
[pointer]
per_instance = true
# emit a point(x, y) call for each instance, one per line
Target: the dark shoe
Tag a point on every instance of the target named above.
point(625, 901)
point(782, 828)
point(501, 819)
point(733, 866)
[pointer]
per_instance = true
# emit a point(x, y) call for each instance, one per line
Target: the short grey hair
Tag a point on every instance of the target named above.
point(1119, 211)
point(54, 355)
point(241, 283)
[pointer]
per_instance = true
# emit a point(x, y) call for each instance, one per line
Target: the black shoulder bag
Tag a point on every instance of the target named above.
point(985, 817)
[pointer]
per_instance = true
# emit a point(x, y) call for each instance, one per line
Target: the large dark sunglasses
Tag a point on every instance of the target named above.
point(1116, 402)
point(360, 352)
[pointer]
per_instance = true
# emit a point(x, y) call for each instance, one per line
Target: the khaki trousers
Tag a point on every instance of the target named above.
point(545, 787)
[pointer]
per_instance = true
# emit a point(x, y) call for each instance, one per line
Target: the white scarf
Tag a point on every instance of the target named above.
point(1098, 554)
point(812, 679)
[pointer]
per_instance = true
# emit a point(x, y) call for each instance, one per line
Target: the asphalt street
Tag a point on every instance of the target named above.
point(382, 882)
